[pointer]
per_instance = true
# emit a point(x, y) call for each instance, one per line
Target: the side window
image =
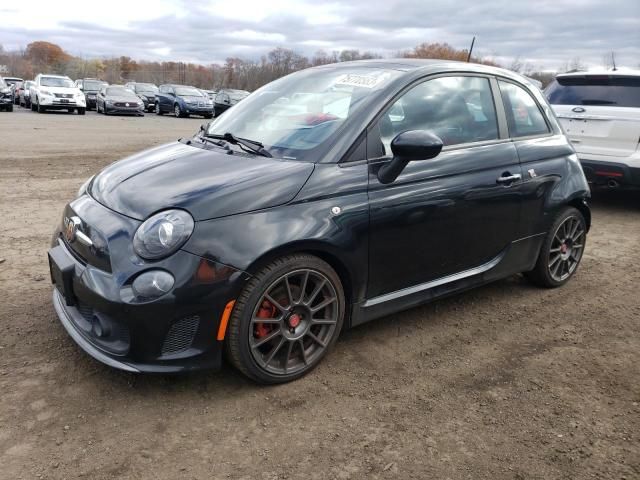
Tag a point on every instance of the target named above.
point(456, 109)
point(523, 114)
point(163, 89)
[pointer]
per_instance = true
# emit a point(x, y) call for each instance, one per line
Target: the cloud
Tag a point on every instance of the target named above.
point(546, 33)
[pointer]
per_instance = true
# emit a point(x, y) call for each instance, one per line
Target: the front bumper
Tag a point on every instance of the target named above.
point(195, 110)
point(174, 333)
point(116, 110)
point(54, 102)
point(6, 99)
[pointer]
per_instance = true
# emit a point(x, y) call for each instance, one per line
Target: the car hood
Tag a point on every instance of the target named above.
point(62, 89)
point(122, 98)
point(206, 183)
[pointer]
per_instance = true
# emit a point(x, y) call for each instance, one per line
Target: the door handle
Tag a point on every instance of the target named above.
point(509, 178)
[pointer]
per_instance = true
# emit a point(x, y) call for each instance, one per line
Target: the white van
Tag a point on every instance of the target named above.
point(600, 112)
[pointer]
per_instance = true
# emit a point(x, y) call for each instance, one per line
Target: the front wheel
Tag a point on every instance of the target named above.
point(40, 108)
point(81, 111)
point(177, 111)
point(561, 250)
point(286, 319)
point(158, 110)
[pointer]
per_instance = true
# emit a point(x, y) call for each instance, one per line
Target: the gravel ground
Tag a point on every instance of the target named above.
point(503, 382)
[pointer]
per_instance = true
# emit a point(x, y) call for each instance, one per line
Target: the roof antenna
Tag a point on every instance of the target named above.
point(613, 60)
point(471, 49)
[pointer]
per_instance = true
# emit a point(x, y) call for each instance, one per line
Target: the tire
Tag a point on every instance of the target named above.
point(177, 111)
point(283, 349)
point(33, 107)
point(104, 109)
point(81, 111)
point(158, 110)
point(561, 251)
point(208, 116)
point(40, 108)
point(10, 108)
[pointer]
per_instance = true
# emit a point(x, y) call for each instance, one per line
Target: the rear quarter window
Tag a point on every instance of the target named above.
point(615, 91)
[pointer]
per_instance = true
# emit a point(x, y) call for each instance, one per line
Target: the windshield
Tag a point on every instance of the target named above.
point(295, 114)
point(146, 87)
point(188, 92)
point(93, 85)
point(236, 94)
point(120, 92)
point(618, 91)
point(56, 82)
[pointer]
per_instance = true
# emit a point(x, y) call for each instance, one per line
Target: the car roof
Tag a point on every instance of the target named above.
point(53, 76)
point(618, 72)
point(429, 66)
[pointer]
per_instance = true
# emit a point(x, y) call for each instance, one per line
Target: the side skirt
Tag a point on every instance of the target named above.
point(519, 256)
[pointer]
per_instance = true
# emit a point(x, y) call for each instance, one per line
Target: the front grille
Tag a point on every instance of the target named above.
point(63, 95)
point(181, 335)
point(125, 104)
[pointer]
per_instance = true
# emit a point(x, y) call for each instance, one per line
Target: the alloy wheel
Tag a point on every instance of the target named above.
point(566, 249)
point(293, 322)
point(177, 111)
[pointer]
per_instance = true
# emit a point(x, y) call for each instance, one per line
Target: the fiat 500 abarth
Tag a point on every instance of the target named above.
point(327, 198)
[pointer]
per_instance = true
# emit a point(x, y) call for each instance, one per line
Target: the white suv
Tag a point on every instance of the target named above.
point(600, 112)
point(55, 92)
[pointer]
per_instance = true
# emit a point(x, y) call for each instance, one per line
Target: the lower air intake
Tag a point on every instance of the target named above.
point(180, 335)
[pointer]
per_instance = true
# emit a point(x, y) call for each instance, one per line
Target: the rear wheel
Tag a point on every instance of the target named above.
point(286, 319)
point(561, 250)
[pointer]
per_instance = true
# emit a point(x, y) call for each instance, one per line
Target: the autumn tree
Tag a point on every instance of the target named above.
point(46, 56)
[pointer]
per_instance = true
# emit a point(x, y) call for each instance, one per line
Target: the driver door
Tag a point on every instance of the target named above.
point(455, 212)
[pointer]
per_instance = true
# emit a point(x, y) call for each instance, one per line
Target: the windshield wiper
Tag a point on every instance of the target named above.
point(250, 145)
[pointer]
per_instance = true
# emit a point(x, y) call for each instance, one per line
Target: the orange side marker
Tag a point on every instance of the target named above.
point(222, 329)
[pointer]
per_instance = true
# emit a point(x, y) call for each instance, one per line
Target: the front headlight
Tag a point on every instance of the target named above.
point(162, 234)
point(85, 185)
point(5, 90)
point(46, 92)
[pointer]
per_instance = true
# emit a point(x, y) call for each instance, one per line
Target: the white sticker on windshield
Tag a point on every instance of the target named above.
point(364, 81)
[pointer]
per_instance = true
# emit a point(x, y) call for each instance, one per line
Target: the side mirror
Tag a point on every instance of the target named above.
point(407, 147)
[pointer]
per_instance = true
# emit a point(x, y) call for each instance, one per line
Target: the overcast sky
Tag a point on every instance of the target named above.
point(546, 33)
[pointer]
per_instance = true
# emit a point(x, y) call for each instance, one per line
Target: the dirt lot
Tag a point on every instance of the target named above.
point(507, 381)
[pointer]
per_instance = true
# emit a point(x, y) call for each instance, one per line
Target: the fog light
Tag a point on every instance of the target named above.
point(148, 286)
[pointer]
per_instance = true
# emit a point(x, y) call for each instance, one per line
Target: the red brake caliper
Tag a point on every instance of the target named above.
point(267, 310)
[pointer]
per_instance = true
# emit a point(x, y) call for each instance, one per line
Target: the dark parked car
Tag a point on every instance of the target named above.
point(6, 96)
point(182, 101)
point(14, 83)
point(227, 98)
point(146, 92)
point(328, 198)
point(90, 87)
point(25, 94)
point(116, 99)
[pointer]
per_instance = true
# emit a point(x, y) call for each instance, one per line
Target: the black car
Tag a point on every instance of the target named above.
point(6, 96)
point(116, 99)
point(90, 87)
point(328, 198)
point(226, 98)
point(146, 92)
point(183, 101)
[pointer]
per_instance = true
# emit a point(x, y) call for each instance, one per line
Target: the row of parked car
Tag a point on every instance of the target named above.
point(57, 92)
